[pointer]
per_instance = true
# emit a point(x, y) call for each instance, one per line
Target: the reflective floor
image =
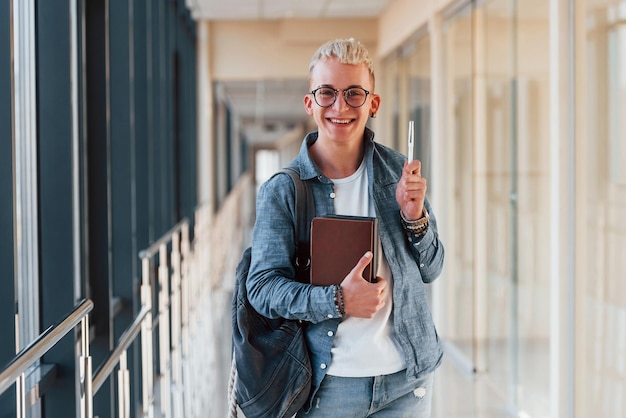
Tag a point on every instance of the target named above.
point(461, 395)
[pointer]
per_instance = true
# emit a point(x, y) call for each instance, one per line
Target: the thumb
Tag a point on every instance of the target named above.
point(362, 263)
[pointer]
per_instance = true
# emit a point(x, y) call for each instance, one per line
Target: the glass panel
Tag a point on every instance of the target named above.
point(392, 108)
point(516, 131)
point(419, 102)
point(501, 290)
point(604, 305)
point(532, 168)
point(458, 40)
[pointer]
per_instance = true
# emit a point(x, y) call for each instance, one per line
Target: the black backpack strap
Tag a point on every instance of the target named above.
point(305, 211)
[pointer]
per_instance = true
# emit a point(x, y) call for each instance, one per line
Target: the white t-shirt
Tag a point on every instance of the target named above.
point(364, 347)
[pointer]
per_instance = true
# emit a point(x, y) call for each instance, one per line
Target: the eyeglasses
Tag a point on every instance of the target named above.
point(327, 96)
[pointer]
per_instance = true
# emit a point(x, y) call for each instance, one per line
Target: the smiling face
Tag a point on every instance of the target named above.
point(340, 123)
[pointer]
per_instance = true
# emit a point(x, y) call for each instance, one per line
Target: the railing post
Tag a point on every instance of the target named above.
point(184, 289)
point(146, 341)
point(86, 386)
point(164, 331)
point(20, 398)
point(185, 308)
point(123, 387)
point(177, 386)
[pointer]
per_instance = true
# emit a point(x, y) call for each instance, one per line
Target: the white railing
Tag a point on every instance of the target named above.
point(217, 246)
point(171, 252)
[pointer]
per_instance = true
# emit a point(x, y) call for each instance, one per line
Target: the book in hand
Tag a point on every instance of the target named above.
point(337, 243)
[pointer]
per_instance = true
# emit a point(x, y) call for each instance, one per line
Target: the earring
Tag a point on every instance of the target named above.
point(372, 115)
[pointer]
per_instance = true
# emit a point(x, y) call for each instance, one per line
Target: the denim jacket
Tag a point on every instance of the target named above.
point(414, 261)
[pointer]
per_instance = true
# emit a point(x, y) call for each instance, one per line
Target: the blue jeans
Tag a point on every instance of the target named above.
point(389, 396)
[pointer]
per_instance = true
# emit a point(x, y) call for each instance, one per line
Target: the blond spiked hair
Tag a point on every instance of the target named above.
point(347, 51)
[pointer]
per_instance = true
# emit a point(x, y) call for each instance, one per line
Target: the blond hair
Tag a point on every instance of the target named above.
point(347, 51)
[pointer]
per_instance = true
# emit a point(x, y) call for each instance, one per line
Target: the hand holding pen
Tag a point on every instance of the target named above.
point(411, 189)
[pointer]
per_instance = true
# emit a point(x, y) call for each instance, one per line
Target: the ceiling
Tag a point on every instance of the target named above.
point(281, 9)
point(270, 106)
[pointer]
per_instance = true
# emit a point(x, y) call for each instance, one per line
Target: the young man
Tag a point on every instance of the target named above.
point(373, 346)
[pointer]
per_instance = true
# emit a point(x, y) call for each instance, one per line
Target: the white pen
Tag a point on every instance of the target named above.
point(411, 140)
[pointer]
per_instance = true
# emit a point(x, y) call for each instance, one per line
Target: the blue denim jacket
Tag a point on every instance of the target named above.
point(414, 261)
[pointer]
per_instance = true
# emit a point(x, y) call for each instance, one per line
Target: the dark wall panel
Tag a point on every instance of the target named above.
point(186, 119)
point(55, 188)
point(121, 165)
point(97, 152)
point(123, 205)
point(144, 233)
point(7, 324)
point(145, 229)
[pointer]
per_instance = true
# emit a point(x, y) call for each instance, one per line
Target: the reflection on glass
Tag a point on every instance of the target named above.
point(498, 113)
point(390, 87)
point(459, 126)
point(501, 285)
point(533, 264)
point(604, 359)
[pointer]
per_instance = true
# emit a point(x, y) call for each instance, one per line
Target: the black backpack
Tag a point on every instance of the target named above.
point(271, 368)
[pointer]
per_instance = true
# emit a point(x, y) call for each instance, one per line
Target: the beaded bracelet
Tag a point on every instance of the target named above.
point(339, 302)
point(416, 227)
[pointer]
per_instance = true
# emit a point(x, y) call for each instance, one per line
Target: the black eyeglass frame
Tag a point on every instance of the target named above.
point(343, 93)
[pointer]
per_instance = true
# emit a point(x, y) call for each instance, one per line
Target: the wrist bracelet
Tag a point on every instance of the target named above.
point(339, 302)
point(424, 218)
point(418, 226)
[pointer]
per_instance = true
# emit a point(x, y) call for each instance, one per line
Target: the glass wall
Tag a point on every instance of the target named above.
point(603, 309)
point(515, 96)
point(495, 29)
point(458, 189)
point(531, 194)
point(497, 282)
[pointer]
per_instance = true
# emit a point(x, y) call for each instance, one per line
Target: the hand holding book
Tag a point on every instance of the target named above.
point(344, 252)
point(363, 299)
point(337, 244)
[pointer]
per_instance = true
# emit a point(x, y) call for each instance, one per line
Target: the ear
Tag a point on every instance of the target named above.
point(308, 104)
point(375, 105)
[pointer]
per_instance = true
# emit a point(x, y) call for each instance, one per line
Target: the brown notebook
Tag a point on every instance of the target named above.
point(337, 244)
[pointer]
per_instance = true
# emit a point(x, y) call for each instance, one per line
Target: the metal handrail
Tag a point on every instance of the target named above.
point(46, 340)
point(127, 338)
point(171, 290)
point(168, 253)
point(165, 238)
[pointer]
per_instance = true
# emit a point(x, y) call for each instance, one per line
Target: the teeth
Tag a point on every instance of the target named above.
point(340, 121)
